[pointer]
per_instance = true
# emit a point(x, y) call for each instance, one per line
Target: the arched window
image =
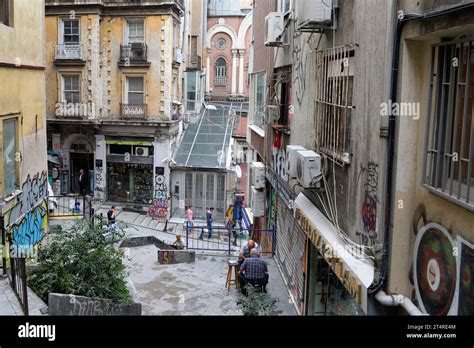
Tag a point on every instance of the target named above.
point(221, 72)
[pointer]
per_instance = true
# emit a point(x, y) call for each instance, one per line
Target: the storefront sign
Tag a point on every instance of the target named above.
point(333, 257)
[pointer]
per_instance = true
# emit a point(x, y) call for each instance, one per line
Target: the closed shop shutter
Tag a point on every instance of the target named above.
point(290, 252)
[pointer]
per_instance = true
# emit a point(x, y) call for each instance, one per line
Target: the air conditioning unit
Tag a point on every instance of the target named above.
point(308, 167)
point(257, 202)
point(274, 26)
point(291, 159)
point(273, 114)
point(257, 175)
point(314, 14)
point(141, 151)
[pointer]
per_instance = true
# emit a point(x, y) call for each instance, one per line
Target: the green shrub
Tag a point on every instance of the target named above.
point(80, 261)
point(256, 303)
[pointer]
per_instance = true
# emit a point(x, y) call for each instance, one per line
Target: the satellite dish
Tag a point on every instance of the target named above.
point(238, 171)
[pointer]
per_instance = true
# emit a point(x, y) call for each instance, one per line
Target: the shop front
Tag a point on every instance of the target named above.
point(130, 182)
point(129, 171)
point(338, 275)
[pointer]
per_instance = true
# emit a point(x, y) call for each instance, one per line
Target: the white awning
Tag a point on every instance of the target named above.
point(362, 269)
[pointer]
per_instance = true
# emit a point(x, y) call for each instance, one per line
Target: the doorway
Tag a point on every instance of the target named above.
point(80, 161)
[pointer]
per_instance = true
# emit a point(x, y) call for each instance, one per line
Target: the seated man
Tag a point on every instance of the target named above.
point(245, 250)
point(178, 243)
point(253, 271)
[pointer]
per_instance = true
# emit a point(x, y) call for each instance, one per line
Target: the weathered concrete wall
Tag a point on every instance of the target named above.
point(357, 21)
point(22, 98)
point(415, 206)
point(72, 305)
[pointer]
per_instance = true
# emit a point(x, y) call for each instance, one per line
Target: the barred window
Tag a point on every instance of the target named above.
point(335, 75)
point(221, 72)
point(449, 132)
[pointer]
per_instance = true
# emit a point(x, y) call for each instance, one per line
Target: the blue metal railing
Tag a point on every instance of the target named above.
point(228, 239)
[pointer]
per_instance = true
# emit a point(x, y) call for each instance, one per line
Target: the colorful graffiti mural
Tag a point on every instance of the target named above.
point(466, 274)
point(33, 191)
point(369, 203)
point(32, 228)
point(442, 269)
point(159, 210)
point(26, 221)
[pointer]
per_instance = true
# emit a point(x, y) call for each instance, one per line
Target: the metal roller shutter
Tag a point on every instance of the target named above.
point(290, 252)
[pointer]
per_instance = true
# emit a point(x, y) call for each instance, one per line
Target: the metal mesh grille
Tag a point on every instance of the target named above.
point(290, 248)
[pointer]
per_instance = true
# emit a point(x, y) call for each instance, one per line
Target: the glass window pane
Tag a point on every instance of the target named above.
point(9, 151)
point(135, 84)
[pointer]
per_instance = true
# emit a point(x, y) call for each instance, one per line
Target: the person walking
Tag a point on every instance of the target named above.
point(82, 182)
point(111, 218)
point(209, 220)
point(189, 215)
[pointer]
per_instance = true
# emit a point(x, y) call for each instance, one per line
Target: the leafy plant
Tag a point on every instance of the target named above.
point(81, 261)
point(256, 303)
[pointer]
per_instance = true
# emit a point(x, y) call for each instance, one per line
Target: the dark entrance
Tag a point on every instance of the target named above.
point(80, 161)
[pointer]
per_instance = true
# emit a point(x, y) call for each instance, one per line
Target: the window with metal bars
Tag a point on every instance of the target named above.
point(333, 104)
point(449, 133)
point(221, 72)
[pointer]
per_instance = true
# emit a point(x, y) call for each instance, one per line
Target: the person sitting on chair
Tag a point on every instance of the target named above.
point(253, 271)
point(245, 250)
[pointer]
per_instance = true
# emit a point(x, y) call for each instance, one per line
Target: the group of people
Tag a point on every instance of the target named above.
point(252, 269)
point(209, 220)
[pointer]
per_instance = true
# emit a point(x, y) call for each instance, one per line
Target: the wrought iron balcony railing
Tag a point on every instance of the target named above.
point(135, 53)
point(133, 111)
point(69, 52)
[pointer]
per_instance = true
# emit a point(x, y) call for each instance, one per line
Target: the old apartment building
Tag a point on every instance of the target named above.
point(23, 171)
point(114, 85)
point(344, 116)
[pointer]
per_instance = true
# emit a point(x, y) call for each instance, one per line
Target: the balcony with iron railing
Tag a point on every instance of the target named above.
point(133, 55)
point(194, 62)
point(133, 111)
point(69, 54)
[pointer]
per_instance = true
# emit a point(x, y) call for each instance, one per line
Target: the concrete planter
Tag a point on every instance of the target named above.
point(171, 257)
point(72, 305)
point(167, 255)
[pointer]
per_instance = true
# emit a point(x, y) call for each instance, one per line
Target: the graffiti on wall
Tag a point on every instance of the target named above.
point(370, 201)
point(300, 62)
point(99, 184)
point(26, 222)
point(159, 210)
point(442, 269)
point(34, 191)
point(466, 274)
point(31, 229)
point(279, 161)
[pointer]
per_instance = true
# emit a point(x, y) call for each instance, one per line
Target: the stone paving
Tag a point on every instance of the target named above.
point(184, 289)
point(9, 304)
point(193, 288)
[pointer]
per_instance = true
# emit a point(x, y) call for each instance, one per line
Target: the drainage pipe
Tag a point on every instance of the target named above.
point(378, 286)
point(398, 300)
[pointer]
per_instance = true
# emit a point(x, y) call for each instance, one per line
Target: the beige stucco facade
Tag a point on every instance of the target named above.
point(22, 103)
